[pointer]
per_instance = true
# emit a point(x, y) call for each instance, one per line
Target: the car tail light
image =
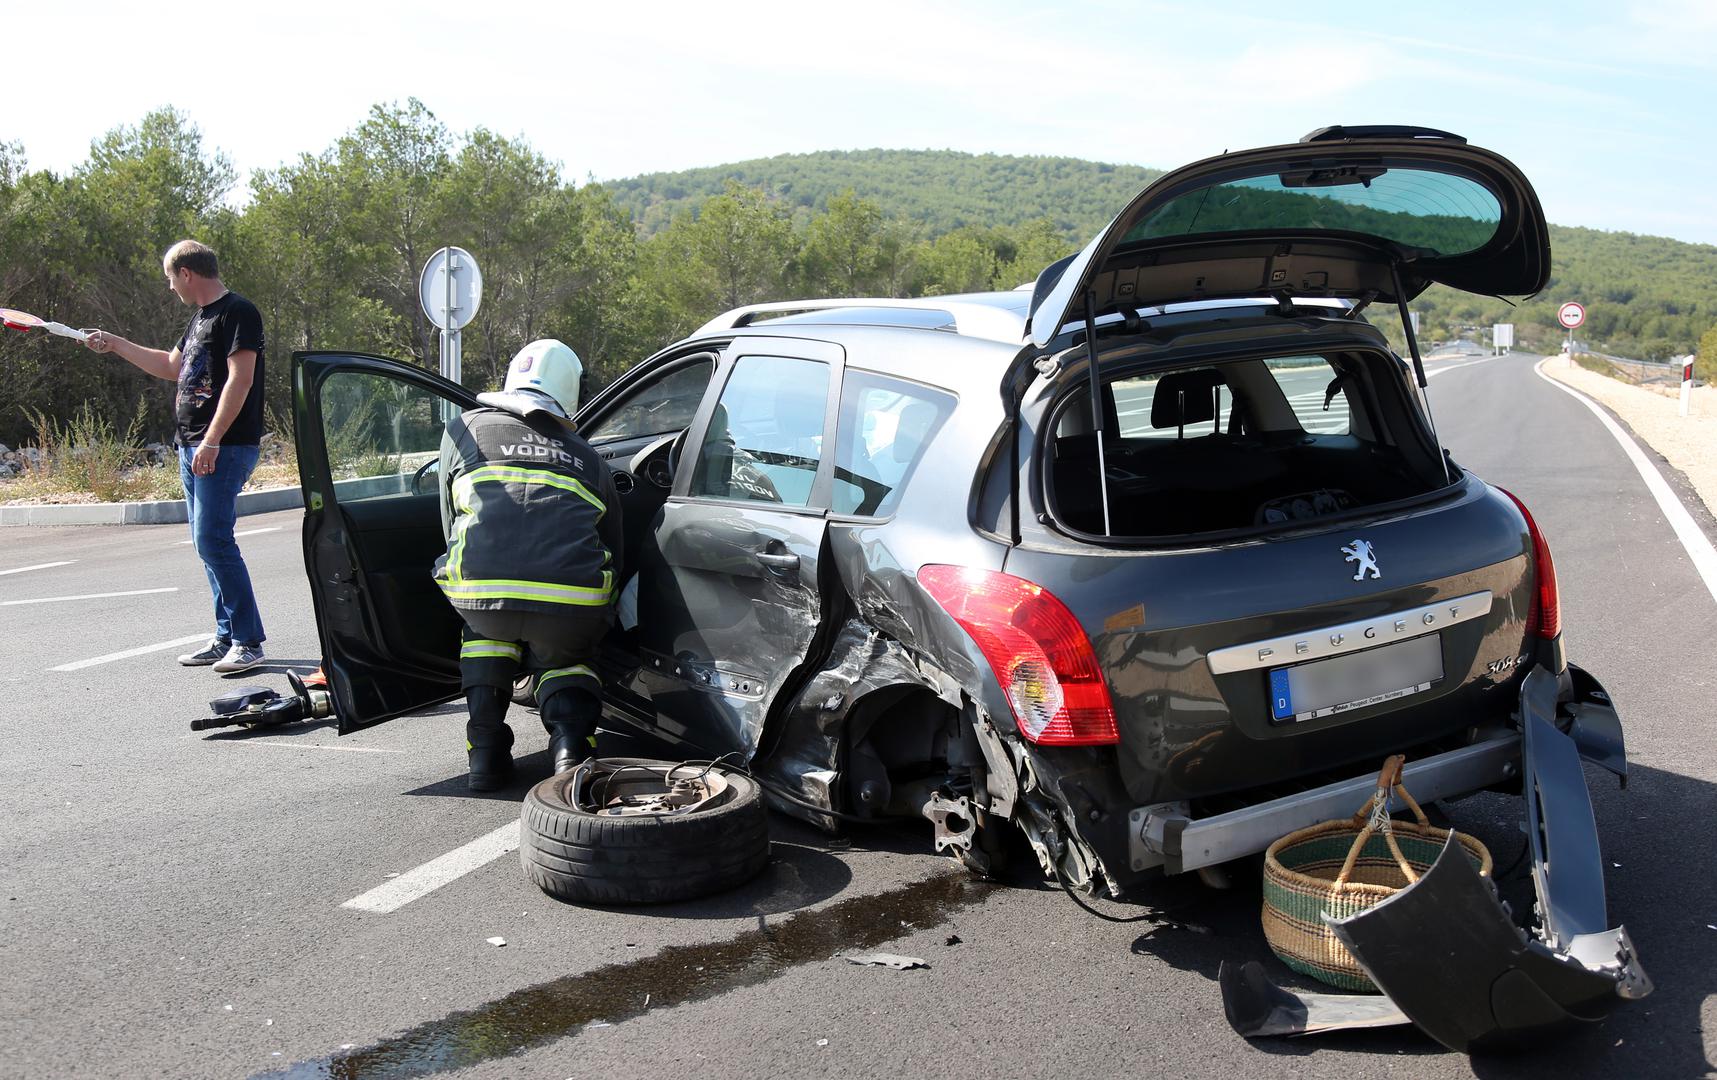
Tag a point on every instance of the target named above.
point(1037, 649)
point(1545, 620)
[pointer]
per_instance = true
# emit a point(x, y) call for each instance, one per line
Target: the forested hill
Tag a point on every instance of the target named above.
point(1649, 296)
point(942, 190)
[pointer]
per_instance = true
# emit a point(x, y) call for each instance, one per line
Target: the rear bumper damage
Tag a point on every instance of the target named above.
point(1446, 952)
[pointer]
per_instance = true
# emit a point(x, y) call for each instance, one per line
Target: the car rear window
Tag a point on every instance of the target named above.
point(1239, 445)
point(885, 426)
point(1438, 213)
point(1308, 384)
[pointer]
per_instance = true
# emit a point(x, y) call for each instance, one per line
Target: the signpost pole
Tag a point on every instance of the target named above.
point(1571, 315)
point(1686, 383)
point(450, 288)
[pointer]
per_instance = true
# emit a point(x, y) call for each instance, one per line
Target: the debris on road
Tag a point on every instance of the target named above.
point(953, 939)
point(888, 960)
point(822, 1042)
point(498, 942)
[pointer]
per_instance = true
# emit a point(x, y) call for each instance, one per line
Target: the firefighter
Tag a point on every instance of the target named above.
point(532, 525)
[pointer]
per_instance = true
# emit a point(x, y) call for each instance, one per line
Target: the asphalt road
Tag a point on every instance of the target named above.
point(170, 902)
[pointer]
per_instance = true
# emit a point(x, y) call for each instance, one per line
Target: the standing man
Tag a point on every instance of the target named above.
point(532, 524)
point(218, 366)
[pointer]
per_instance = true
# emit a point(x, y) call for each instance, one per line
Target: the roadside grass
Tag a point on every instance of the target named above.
point(89, 459)
point(1601, 366)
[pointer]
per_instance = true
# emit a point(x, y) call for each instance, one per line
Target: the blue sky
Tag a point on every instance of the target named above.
point(1611, 109)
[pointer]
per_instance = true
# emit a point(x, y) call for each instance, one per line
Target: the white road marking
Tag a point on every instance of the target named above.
point(312, 746)
point(437, 872)
point(1429, 375)
point(87, 596)
point(78, 665)
point(38, 566)
point(1699, 548)
point(247, 532)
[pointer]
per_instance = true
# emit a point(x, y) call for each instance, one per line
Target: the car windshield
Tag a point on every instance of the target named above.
point(1436, 212)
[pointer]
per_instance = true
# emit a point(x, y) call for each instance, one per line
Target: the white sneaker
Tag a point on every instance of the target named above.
point(240, 657)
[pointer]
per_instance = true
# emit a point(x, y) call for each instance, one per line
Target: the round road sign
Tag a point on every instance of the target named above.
point(450, 288)
point(1571, 315)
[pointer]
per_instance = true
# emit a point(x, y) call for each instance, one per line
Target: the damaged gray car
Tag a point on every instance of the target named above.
point(1153, 562)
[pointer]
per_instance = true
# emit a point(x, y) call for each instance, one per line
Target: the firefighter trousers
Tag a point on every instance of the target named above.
point(558, 650)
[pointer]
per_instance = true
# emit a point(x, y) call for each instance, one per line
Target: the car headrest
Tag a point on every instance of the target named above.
point(1185, 397)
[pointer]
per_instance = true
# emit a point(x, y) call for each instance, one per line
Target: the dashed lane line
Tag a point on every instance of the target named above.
point(423, 880)
point(79, 665)
point(247, 532)
point(1699, 548)
point(87, 596)
point(38, 566)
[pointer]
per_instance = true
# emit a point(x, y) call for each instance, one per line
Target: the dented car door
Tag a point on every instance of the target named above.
point(729, 600)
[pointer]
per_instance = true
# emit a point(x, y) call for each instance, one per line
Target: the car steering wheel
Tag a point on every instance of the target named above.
point(660, 460)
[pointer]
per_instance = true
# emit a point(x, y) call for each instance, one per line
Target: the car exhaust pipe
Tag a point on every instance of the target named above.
point(1446, 953)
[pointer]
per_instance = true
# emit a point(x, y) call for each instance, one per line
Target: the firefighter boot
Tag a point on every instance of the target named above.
point(570, 716)
point(488, 739)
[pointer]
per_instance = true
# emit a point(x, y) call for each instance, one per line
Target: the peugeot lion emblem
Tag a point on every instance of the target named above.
point(1360, 552)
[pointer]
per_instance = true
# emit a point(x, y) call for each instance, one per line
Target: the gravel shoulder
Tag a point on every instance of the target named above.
point(1689, 443)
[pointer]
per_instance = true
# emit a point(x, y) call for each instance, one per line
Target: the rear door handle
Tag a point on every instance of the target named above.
point(778, 561)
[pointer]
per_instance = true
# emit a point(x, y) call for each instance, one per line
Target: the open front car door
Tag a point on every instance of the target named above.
point(369, 438)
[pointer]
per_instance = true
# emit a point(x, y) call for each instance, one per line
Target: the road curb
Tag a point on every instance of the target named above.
point(162, 512)
point(172, 511)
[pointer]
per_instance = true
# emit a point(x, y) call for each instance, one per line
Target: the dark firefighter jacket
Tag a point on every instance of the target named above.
point(529, 512)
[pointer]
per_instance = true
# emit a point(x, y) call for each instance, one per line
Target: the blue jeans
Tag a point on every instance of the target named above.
point(212, 504)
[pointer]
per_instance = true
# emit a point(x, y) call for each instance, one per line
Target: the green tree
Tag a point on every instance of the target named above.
point(1035, 245)
point(738, 249)
point(1705, 361)
point(844, 249)
point(957, 262)
point(392, 168)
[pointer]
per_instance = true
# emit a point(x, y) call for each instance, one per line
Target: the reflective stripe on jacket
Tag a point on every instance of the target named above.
point(532, 520)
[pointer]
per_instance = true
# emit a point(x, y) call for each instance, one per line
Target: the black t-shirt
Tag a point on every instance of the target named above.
point(217, 331)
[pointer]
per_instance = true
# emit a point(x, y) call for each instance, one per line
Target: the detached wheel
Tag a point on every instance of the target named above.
point(634, 831)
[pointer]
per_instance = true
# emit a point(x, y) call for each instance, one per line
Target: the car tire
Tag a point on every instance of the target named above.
point(524, 692)
point(573, 853)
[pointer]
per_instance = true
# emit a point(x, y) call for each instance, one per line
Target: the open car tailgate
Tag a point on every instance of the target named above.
point(1446, 952)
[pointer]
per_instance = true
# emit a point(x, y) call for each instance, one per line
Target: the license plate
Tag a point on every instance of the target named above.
point(1343, 683)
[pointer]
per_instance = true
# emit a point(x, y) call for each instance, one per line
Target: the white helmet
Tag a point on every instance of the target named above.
point(550, 366)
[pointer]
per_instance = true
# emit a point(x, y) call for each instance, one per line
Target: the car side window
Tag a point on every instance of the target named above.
point(1315, 391)
point(765, 438)
point(883, 430)
point(656, 406)
point(378, 432)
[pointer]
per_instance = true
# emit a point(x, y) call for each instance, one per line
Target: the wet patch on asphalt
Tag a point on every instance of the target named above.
point(677, 975)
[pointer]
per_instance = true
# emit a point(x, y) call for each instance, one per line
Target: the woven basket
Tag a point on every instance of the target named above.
point(1343, 868)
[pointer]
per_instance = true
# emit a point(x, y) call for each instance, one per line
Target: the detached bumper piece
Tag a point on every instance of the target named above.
point(1445, 951)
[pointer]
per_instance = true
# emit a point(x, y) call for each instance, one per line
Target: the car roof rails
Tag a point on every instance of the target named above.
point(1337, 133)
point(967, 318)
